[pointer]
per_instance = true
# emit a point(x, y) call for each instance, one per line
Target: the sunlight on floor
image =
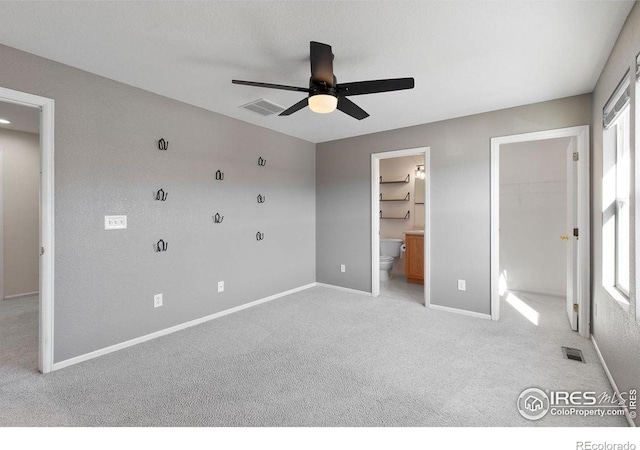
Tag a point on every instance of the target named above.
point(528, 312)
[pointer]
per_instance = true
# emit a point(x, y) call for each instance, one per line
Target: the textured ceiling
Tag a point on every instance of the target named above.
point(466, 56)
point(22, 118)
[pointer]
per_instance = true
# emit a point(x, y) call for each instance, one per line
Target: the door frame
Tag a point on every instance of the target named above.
point(375, 217)
point(46, 297)
point(581, 133)
point(1, 224)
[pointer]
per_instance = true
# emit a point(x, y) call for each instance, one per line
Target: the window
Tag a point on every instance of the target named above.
point(637, 177)
point(616, 182)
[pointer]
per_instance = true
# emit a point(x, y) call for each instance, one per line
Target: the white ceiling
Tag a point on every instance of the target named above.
point(466, 56)
point(22, 118)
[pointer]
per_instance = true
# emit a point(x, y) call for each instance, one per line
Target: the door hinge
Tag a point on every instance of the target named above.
point(41, 251)
point(576, 156)
point(575, 307)
point(575, 232)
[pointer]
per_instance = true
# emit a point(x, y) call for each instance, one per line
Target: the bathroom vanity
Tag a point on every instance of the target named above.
point(414, 256)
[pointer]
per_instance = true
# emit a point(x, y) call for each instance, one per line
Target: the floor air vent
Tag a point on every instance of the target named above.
point(573, 354)
point(263, 107)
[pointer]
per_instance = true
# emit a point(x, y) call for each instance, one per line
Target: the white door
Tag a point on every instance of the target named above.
point(570, 236)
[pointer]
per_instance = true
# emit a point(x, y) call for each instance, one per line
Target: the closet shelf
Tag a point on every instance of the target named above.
point(406, 216)
point(406, 180)
point(405, 199)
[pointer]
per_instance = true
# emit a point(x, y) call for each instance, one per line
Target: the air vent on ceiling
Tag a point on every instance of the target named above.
point(573, 354)
point(263, 107)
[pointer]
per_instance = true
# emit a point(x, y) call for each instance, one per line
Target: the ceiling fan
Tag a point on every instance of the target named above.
point(325, 94)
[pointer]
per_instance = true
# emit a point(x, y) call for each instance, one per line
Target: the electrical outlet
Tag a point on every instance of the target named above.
point(462, 285)
point(157, 300)
point(343, 268)
point(220, 286)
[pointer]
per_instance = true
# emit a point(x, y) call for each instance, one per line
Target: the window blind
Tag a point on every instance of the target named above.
point(621, 96)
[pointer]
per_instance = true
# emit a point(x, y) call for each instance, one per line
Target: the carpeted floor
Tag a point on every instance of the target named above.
point(320, 357)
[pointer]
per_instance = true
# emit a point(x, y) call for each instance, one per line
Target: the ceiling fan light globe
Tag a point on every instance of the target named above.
point(323, 103)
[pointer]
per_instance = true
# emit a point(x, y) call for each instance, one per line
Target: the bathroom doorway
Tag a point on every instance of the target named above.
point(400, 224)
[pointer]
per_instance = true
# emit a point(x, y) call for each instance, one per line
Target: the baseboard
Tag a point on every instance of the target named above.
point(464, 312)
point(612, 381)
point(25, 295)
point(340, 288)
point(166, 331)
point(548, 294)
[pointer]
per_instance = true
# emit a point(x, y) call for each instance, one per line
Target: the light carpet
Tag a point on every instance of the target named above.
point(320, 357)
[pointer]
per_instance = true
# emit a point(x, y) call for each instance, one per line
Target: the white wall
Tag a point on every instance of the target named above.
point(21, 175)
point(533, 215)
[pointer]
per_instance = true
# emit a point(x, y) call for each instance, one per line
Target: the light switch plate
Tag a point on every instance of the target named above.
point(115, 222)
point(462, 285)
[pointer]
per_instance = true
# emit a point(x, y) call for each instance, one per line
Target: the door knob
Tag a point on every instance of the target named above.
point(564, 237)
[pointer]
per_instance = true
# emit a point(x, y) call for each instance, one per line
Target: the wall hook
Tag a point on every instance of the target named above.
point(161, 246)
point(218, 218)
point(219, 175)
point(261, 198)
point(161, 195)
point(259, 236)
point(262, 162)
point(163, 145)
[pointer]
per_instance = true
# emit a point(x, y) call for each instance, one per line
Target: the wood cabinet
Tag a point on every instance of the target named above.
point(414, 258)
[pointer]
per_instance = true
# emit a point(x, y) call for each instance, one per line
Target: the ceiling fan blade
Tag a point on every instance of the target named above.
point(297, 107)
point(348, 107)
point(321, 62)
point(375, 86)
point(271, 86)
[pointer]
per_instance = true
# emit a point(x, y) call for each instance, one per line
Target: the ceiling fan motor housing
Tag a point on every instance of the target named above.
point(321, 87)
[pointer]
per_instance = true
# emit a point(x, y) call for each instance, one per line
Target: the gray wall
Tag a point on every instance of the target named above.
point(21, 215)
point(533, 215)
point(616, 331)
point(460, 199)
point(107, 163)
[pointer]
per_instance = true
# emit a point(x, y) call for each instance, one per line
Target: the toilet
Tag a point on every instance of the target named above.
point(389, 250)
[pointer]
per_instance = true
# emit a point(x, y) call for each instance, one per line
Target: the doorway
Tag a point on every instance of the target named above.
point(540, 221)
point(397, 210)
point(36, 263)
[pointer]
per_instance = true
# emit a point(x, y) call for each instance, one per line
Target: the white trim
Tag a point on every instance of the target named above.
point(340, 288)
point(375, 219)
point(25, 295)
point(546, 294)
point(581, 133)
point(463, 312)
point(47, 139)
point(1, 223)
point(166, 331)
point(635, 125)
point(612, 381)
